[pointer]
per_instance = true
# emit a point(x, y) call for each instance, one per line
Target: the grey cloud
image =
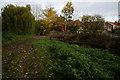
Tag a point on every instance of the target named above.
point(107, 9)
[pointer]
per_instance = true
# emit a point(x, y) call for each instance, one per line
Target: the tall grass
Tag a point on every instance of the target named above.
point(8, 37)
point(73, 62)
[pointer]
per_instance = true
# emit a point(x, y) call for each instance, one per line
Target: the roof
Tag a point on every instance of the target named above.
point(113, 23)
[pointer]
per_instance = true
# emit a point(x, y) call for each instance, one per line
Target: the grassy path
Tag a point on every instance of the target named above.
point(46, 59)
point(15, 58)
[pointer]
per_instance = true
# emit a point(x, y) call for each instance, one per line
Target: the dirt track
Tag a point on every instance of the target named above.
point(20, 44)
point(21, 50)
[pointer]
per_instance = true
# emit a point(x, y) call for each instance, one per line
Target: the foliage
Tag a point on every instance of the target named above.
point(28, 7)
point(91, 32)
point(115, 46)
point(59, 23)
point(8, 37)
point(72, 27)
point(18, 20)
point(101, 41)
point(40, 27)
point(117, 31)
point(92, 24)
point(70, 62)
point(49, 59)
point(50, 16)
point(68, 11)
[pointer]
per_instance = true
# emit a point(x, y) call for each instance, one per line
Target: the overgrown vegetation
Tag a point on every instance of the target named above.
point(68, 62)
point(8, 37)
point(49, 59)
point(115, 46)
point(117, 31)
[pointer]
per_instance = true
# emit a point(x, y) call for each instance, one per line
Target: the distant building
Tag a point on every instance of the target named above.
point(112, 26)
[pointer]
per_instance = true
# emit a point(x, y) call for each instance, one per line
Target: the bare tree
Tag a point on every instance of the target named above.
point(37, 12)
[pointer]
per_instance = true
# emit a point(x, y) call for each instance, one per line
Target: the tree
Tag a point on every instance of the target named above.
point(67, 12)
point(92, 24)
point(50, 17)
point(75, 25)
point(91, 32)
point(40, 27)
point(18, 20)
point(59, 23)
point(37, 12)
point(28, 7)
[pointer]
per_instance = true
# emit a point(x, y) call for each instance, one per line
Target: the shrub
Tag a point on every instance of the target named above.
point(115, 46)
point(102, 41)
point(83, 38)
point(7, 36)
point(117, 31)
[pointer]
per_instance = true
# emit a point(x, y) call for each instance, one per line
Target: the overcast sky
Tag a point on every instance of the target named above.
point(107, 8)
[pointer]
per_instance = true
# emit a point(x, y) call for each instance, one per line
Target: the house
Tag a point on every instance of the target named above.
point(112, 26)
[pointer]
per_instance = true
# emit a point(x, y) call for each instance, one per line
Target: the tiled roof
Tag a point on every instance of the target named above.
point(113, 23)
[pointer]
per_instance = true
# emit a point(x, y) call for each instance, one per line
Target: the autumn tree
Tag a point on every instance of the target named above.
point(40, 27)
point(59, 23)
point(50, 17)
point(91, 31)
point(68, 12)
point(92, 24)
point(45, 19)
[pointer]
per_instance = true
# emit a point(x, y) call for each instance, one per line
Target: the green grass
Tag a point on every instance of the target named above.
point(55, 60)
point(8, 38)
point(68, 62)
